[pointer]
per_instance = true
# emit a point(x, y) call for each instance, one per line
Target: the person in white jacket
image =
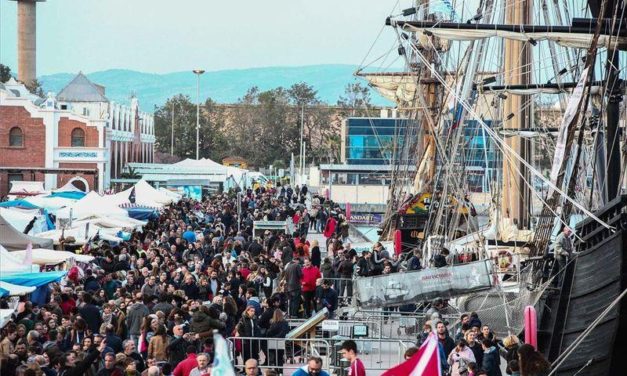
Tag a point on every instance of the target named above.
point(459, 358)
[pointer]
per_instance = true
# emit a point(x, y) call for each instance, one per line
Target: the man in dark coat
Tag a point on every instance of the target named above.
point(70, 367)
point(293, 275)
point(91, 314)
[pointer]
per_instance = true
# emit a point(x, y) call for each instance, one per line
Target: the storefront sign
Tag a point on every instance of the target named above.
point(366, 218)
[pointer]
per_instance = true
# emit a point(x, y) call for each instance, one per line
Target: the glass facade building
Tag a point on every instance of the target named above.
point(375, 141)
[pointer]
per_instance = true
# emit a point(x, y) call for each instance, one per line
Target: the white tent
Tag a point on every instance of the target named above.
point(145, 195)
point(52, 204)
point(176, 197)
point(21, 188)
point(52, 257)
point(5, 316)
point(68, 187)
point(16, 290)
point(91, 205)
point(13, 264)
point(82, 234)
point(117, 223)
point(20, 218)
point(204, 163)
point(142, 188)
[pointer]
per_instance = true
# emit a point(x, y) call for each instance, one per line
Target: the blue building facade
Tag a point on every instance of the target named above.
point(376, 141)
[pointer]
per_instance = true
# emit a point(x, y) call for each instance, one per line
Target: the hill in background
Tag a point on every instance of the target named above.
point(224, 86)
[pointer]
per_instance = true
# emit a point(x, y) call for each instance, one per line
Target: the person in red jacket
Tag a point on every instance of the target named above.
point(329, 229)
point(308, 281)
point(185, 367)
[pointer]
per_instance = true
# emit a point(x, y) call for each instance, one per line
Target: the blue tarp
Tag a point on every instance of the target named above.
point(68, 195)
point(142, 214)
point(39, 280)
point(32, 279)
point(18, 204)
point(49, 222)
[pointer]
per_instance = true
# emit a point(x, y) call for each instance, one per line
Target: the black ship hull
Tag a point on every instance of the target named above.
point(594, 279)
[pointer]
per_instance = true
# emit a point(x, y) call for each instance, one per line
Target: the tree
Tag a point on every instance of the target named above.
point(355, 101)
point(35, 88)
point(5, 73)
point(182, 112)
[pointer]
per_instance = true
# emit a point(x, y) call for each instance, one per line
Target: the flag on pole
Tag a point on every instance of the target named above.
point(221, 360)
point(426, 362)
point(28, 257)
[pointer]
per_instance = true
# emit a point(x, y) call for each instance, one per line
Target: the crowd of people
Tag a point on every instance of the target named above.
point(151, 305)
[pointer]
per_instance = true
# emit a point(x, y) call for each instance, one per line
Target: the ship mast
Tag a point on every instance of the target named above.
point(516, 115)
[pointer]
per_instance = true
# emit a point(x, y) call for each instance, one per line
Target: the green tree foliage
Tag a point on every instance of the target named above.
point(35, 88)
point(355, 101)
point(263, 127)
point(5, 73)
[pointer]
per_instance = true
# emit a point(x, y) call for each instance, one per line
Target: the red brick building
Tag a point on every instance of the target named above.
point(79, 129)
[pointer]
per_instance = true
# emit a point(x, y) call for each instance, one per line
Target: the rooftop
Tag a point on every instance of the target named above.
point(81, 89)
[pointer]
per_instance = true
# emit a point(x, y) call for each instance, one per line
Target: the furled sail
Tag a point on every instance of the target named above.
point(575, 37)
point(397, 87)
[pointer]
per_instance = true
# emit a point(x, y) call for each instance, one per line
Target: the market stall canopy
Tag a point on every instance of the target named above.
point(50, 203)
point(82, 234)
point(52, 257)
point(5, 316)
point(13, 264)
point(32, 279)
point(204, 163)
point(26, 188)
point(142, 194)
point(145, 190)
point(118, 223)
point(69, 187)
point(21, 218)
point(20, 204)
point(9, 289)
point(92, 205)
point(69, 195)
point(13, 240)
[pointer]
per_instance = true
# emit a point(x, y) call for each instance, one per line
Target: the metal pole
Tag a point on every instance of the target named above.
point(304, 158)
point(197, 116)
point(300, 154)
point(172, 136)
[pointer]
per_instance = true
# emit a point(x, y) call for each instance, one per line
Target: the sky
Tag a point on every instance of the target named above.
point(161, 36)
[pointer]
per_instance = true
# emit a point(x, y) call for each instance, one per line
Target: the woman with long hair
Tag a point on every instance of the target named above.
point(279, 327)
point(158, 344)
point(531, 362)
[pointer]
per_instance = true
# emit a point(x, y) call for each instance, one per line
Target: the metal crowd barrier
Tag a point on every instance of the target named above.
point(381, 325)
point(279, 353)
point(344, 289)
point(287, 355)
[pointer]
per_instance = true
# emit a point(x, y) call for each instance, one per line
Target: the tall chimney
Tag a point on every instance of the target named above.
point(27, 40)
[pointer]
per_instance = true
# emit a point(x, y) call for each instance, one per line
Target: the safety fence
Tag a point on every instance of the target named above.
point(344, 289)
point(405, 326)
point(287, 355)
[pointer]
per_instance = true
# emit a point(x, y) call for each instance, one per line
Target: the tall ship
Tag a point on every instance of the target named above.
point(519, 118)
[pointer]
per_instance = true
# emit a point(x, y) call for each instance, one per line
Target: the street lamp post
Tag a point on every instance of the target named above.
point(198, 72)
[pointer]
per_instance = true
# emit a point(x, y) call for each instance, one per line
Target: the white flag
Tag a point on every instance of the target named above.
point(221, 360)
